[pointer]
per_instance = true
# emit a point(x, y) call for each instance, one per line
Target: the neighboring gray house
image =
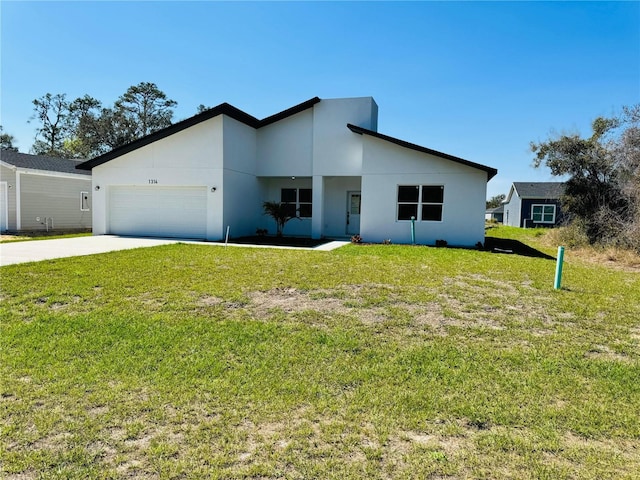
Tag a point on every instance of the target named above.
point(496, 214)
point(43, 193)
point(533, 204)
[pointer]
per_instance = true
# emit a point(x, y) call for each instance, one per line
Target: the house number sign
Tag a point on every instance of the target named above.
point(153, 181)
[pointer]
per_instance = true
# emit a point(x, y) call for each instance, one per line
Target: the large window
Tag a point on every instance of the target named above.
point(298, 201)
point(423, 202)
point(543, 213)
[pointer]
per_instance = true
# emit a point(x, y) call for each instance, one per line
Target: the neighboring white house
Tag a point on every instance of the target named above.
point(43, 193)
point(325, 157)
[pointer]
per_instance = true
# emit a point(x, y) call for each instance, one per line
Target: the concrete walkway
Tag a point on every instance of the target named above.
point(38, 250)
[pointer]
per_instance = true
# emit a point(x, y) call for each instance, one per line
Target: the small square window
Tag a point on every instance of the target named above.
point(290, 209)
point(432, 213)
point(408, 193)
point(305, 195)
point(305, 210)
point(288, 195)
point(432, 194)
point(407, 210)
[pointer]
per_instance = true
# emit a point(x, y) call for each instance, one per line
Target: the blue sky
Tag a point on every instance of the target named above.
point(473, 79)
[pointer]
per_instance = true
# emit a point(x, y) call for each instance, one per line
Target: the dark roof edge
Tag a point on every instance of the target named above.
point(222, 109)
point(491, 172)
point(289, 112)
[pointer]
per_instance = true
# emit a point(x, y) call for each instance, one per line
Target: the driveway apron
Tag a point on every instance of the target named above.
point(38, 250)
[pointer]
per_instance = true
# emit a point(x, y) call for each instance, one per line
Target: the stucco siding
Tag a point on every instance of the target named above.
point(56, 198)
point(386, 166)
point(336, 150)
point(285, 148)
point(240, 196)
point(189, 158)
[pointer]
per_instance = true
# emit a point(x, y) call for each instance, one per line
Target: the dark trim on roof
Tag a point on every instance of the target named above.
point(491, 172)
point(222, 109)
point(289, 112)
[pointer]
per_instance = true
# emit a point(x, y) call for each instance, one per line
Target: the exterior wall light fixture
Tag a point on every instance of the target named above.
point(97, 188)
point(213, 189)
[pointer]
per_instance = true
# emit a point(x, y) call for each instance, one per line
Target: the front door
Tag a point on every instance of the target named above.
point(353, 212)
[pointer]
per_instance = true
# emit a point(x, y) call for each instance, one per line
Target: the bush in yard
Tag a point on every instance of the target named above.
point(281, 212)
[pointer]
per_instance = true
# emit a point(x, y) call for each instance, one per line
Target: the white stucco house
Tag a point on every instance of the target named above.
point(325, 157)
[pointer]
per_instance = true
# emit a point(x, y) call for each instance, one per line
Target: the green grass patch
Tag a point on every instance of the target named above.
point(28, 237)
point(376, 361)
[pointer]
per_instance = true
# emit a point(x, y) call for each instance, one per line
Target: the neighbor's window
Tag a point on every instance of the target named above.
point(84, 201)
point(543, 213)
point(298, 201)
point(423, 202)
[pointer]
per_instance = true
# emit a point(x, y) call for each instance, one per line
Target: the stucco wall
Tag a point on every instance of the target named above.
point(240, 188)
point(385, 166)
point(336, 150)
point(192, 157)
point(285, 148)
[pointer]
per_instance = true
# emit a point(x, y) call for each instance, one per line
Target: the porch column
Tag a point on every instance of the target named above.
point(317, 214)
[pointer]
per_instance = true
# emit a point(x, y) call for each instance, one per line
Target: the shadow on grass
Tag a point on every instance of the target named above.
point(279, 241)
point(506, 245)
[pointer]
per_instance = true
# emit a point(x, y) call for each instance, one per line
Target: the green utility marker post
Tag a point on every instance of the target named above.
point(558, 280)
point(413, 230)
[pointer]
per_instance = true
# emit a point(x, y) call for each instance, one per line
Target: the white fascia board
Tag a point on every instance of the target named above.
point(8, 165)
point(47, 173)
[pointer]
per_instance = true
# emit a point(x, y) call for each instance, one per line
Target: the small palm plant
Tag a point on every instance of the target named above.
point(281, 212)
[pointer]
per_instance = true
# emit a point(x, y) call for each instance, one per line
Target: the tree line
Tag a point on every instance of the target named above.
point(85, 128)
point(602, 191)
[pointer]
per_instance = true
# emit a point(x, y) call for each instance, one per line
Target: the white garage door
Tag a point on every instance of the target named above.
point(158, 211)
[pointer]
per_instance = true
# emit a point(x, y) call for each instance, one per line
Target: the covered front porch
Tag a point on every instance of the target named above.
point(326, 206)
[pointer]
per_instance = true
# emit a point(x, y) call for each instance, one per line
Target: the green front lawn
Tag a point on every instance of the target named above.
point(189, 361)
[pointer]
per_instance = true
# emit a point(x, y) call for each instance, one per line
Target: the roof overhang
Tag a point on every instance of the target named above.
point(491, 172)
point(222, 109)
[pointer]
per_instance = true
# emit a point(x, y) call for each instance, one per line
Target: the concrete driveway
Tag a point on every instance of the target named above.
point(37, 250)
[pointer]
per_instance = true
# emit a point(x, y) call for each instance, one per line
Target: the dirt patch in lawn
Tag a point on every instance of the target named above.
point(470, 303)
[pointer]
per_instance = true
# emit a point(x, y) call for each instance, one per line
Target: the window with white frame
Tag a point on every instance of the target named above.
point(84, 201)
point(423, 202)
point(543, 213)
point(298, 201)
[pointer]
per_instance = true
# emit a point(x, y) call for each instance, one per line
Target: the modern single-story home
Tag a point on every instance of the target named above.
point(43, 193)
point(213, 171)
point(534, 204)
